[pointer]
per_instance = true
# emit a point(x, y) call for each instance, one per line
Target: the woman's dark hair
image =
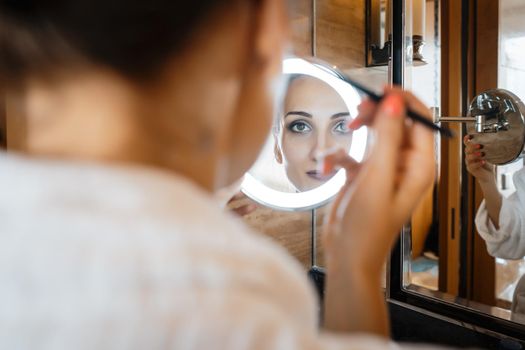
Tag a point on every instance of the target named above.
point(133, 37)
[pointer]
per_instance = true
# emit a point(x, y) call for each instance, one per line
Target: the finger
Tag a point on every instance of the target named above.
point(467, 139)
point(237, 196)
point(389, 126)
point(366, 110)
point(413, 103)
point(420, 160)
point(421, 138)
point(340, 159)
point(470, 148)
point(245, 209)
point(416, 105)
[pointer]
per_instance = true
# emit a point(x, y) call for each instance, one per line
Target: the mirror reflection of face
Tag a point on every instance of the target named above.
point(314, 120)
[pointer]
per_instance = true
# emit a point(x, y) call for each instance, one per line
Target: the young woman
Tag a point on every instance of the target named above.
point(137, 111)
point(314, 120)
point(500, 221)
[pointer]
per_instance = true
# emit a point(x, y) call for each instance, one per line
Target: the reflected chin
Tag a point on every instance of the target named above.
point(314, 179)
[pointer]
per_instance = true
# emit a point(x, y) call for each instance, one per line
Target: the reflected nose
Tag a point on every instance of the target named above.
point(321, 147)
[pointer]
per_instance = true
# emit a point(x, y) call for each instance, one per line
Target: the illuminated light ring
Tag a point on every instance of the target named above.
point(321, 195)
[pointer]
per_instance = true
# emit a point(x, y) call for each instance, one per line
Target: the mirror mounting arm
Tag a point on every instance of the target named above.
point(479, 121)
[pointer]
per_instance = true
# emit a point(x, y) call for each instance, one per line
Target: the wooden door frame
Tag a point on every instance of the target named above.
point(482, 75)
point(450, 156)
point(469, 53)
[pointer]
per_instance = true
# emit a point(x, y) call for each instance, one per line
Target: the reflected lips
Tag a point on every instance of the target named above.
point(317, 175)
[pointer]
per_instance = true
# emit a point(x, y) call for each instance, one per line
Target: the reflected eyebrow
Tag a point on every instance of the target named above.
point(342, 114)
point(303, 114)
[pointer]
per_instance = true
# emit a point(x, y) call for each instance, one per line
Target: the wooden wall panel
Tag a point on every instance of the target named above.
point(340, 29)
point(301, 16)
point(292, 230)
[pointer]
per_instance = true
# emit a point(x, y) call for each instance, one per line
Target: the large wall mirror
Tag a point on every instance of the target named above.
point(464, 248)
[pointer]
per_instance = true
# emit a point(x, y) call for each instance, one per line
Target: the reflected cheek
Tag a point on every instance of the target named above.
point(296, 148)
point(341, 141)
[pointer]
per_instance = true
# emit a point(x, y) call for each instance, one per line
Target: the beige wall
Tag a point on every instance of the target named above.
point(340, 27)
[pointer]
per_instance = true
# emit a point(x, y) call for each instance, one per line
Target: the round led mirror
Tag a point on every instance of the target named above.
point(310, 121)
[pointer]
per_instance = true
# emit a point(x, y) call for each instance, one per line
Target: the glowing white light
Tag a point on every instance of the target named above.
point(316, 197)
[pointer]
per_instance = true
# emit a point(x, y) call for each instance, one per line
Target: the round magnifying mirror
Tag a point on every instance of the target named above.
point(499, 126)
point(311, 120)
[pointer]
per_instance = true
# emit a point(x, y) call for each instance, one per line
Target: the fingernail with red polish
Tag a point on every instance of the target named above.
point(355, 124)
point(327, 167)
point(393, 105)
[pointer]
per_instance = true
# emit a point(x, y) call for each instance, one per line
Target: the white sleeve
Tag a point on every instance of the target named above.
point(508, 241)
point(253, 323)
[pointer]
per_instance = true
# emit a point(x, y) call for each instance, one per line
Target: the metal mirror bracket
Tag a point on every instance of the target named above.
point(496, 119)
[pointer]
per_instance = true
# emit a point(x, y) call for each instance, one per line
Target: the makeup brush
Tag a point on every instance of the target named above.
point(416, 117)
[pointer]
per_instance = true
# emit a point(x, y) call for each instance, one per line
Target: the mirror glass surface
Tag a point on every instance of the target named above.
point(457, 248)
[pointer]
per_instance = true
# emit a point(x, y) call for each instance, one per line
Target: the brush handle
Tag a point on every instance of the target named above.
point(411, 114)
point(416, 117)
point(446, 132)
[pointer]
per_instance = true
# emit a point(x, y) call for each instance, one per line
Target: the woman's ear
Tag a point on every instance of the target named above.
point(270, 34)
point(278, 153)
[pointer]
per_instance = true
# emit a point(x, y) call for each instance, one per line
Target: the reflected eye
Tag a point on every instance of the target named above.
point(299, 127)
point(341, 127)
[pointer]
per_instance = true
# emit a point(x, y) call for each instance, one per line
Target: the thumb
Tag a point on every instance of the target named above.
point(388, 125)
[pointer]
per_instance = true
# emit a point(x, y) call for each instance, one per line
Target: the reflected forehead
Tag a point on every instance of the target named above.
point(311, 94)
